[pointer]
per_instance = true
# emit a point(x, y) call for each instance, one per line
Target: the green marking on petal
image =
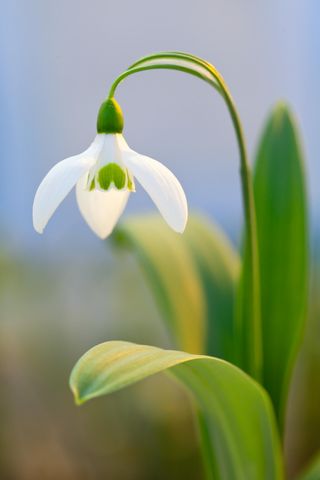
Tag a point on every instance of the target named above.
point(112, 173)
point(92, 185)
point(130, 184)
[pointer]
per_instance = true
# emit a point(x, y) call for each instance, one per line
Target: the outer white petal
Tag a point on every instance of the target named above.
point(100, 209)
point(56, 185)
point(162, 186)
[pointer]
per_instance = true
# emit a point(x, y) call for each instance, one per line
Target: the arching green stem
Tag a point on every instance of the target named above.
point(251, 352)
point(163, 66)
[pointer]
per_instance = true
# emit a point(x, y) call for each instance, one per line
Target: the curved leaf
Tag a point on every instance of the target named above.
point(192, 276)
point(238, 413)
point(279, 187)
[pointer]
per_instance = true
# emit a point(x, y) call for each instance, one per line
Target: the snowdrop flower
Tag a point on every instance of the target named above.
point(104, 176)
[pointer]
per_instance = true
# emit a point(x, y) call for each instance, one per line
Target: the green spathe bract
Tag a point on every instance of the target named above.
point(110, 117)
point(242, 436)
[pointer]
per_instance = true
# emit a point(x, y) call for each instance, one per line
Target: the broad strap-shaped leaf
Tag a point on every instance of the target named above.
point(280, 195)
point(171, 273)
point(238, 413)
point(218, 265)
point(192, 277)
point(312, 472)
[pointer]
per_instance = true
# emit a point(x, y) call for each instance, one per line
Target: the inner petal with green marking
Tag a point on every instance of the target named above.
point(113, 175)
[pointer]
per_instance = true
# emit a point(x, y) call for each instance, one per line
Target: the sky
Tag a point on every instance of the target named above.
point(59, 58)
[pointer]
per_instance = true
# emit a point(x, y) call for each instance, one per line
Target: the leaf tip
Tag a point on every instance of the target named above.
point(78, 399)
point(282, 113)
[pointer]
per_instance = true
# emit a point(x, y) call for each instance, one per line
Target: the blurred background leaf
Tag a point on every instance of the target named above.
point(313, 471)
point(171, 274)
point(302, 439)
point(240, 420)
point(218, 265)
point(192, 277)
point(42, 434)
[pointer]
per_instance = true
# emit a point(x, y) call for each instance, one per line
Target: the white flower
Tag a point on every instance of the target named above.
point(104, 177)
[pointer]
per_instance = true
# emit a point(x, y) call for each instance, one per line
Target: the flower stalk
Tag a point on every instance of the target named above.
point(250, 351)
point(104, 176)
point(249, 316)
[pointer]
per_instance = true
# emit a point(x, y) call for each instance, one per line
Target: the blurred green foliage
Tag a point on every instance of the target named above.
point(147, 434)
point(46, 323)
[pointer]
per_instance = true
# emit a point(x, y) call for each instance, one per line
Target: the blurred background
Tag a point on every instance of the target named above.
point(62, 292)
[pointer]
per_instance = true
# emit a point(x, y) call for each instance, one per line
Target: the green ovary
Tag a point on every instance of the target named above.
point(112, 174)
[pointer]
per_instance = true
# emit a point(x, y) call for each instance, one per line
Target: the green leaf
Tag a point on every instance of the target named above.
point(172, 276)
point(280, 195)
point(248, 350)
point(238, 414)
point(218, 265)
point(313, 470)
point(192, 277)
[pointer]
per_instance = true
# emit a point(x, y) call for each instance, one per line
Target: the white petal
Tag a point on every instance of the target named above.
point(101, 210)
point(56, 185)
point(162, 186)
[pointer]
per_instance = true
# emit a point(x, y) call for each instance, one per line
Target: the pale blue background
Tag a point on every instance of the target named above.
point(59, 58)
